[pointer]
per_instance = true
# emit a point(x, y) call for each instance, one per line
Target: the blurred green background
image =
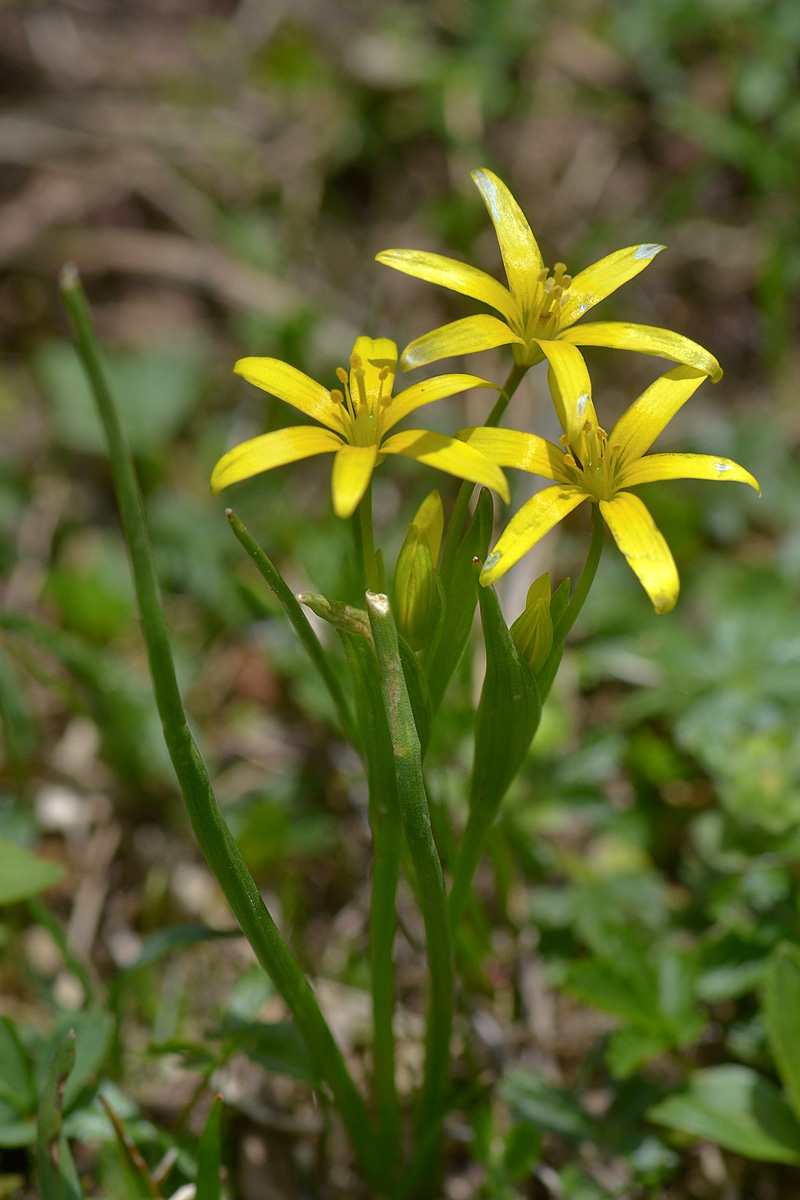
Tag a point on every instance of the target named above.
point(224, 174)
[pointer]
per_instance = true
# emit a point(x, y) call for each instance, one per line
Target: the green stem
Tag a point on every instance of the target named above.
point(288, 602)
point(576, 602)
point(469, 855)
point(427, 868)
point(212, 833)
point(458, 519)
point(387, 843)
point(515, 377)
point(371, 566)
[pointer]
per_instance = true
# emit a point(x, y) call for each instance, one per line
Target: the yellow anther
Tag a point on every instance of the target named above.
point(565, 281)
point(563, 440)
point(336, 396)
point(341, 374)
point(569, 461)
point(542, 276)
point(355, 361)
point(384, 373)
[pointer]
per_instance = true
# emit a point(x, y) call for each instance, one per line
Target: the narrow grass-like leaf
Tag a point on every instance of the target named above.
point(58, 1179)
point(289, 603)
point(782, 1007)
point(212, 832)
point(139, 1183)
point(460, 584)
point(413, 803)
point(209, 1155)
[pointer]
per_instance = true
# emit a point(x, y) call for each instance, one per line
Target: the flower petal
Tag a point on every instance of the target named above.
point(352, 471)
point(448, 454)
point(640, 425)
point(428, 390)
point(647, 339)
point(458, 276)
point(376, 354)
point(684, 466)
point(481, 332)
point(271, 450)
point(521, 255)
point(648, 555)
point(528, 525)
point(292, 386)
point(570, 387)
point(513, 448)
point(602, 278)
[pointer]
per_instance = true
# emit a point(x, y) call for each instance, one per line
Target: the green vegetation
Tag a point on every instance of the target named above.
point(628, 1013)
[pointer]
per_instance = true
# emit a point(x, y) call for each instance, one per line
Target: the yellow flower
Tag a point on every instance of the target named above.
point(355, 422)
point(600, 467)
point(539, 307)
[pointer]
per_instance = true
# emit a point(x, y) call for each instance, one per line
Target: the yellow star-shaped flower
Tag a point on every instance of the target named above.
point(355, 421)
point(539, 307)
point(601, 467)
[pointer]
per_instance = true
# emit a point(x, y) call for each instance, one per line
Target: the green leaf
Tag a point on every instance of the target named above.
point(418, 693)
point(508, 713)
point(92, 1031)
point(277, 1047)
point(176, 937)
point(209, 1156)
point(522, 1151)
point(782, 1007)
point(441, 658)
point(738, 1109)
point(58, 1179)
point(19, 729)
point(23, 874)
point(138, 1181)
point(16, 1080)
point(629, 1047)
point(533, 1100)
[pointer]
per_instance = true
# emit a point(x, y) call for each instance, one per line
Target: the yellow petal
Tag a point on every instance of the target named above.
point(648, 555)
point(570, 387)
point(521, 256)
point(450, 455)
point(647, 339)
point(376, 354)
point(526, 527)
point(271, 450)
point(513, 448)
point(602, 278)
point(640, 425)
point(429, 520)
point(292, 386)
point(458, 276)
point(684, 466)
point(459, 337)
point(428, 390)
point(352, 471)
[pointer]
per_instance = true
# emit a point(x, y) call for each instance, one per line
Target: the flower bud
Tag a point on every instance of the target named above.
point(417, 590)
point(533, 629)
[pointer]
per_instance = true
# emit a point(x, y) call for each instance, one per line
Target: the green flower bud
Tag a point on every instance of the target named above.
point(417, 590)
point(533, 629)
